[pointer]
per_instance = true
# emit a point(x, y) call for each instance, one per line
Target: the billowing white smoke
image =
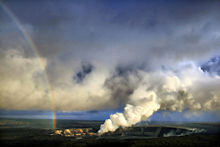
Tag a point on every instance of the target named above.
point(189, 89)
point(143, 108)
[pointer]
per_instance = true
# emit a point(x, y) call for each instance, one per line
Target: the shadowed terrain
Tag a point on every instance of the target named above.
point(37, 133)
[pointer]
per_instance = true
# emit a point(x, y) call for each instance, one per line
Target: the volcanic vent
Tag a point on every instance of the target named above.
point(146, 131)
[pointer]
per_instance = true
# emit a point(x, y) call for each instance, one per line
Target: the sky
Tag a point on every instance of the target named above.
point(80, 56)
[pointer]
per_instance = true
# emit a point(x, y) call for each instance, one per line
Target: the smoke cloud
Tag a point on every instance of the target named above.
point(143, 56)
point(189, 88)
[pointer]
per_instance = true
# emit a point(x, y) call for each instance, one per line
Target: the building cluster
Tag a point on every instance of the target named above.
point(75, 132)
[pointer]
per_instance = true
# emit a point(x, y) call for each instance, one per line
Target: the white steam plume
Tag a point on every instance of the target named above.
point(189, 89)
point(143, 109)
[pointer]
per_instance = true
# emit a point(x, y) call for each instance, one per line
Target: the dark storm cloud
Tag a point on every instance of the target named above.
point(117, 40)
point(212, 66)
point(86, 69)
point(121, 85)
point(122, 31)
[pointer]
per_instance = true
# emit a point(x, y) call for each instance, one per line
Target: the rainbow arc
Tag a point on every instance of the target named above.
point(32, 45)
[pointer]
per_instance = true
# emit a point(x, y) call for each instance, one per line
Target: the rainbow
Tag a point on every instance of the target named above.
point(32, 45)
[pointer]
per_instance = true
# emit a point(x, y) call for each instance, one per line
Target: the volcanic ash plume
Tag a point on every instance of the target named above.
point(189, 89)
